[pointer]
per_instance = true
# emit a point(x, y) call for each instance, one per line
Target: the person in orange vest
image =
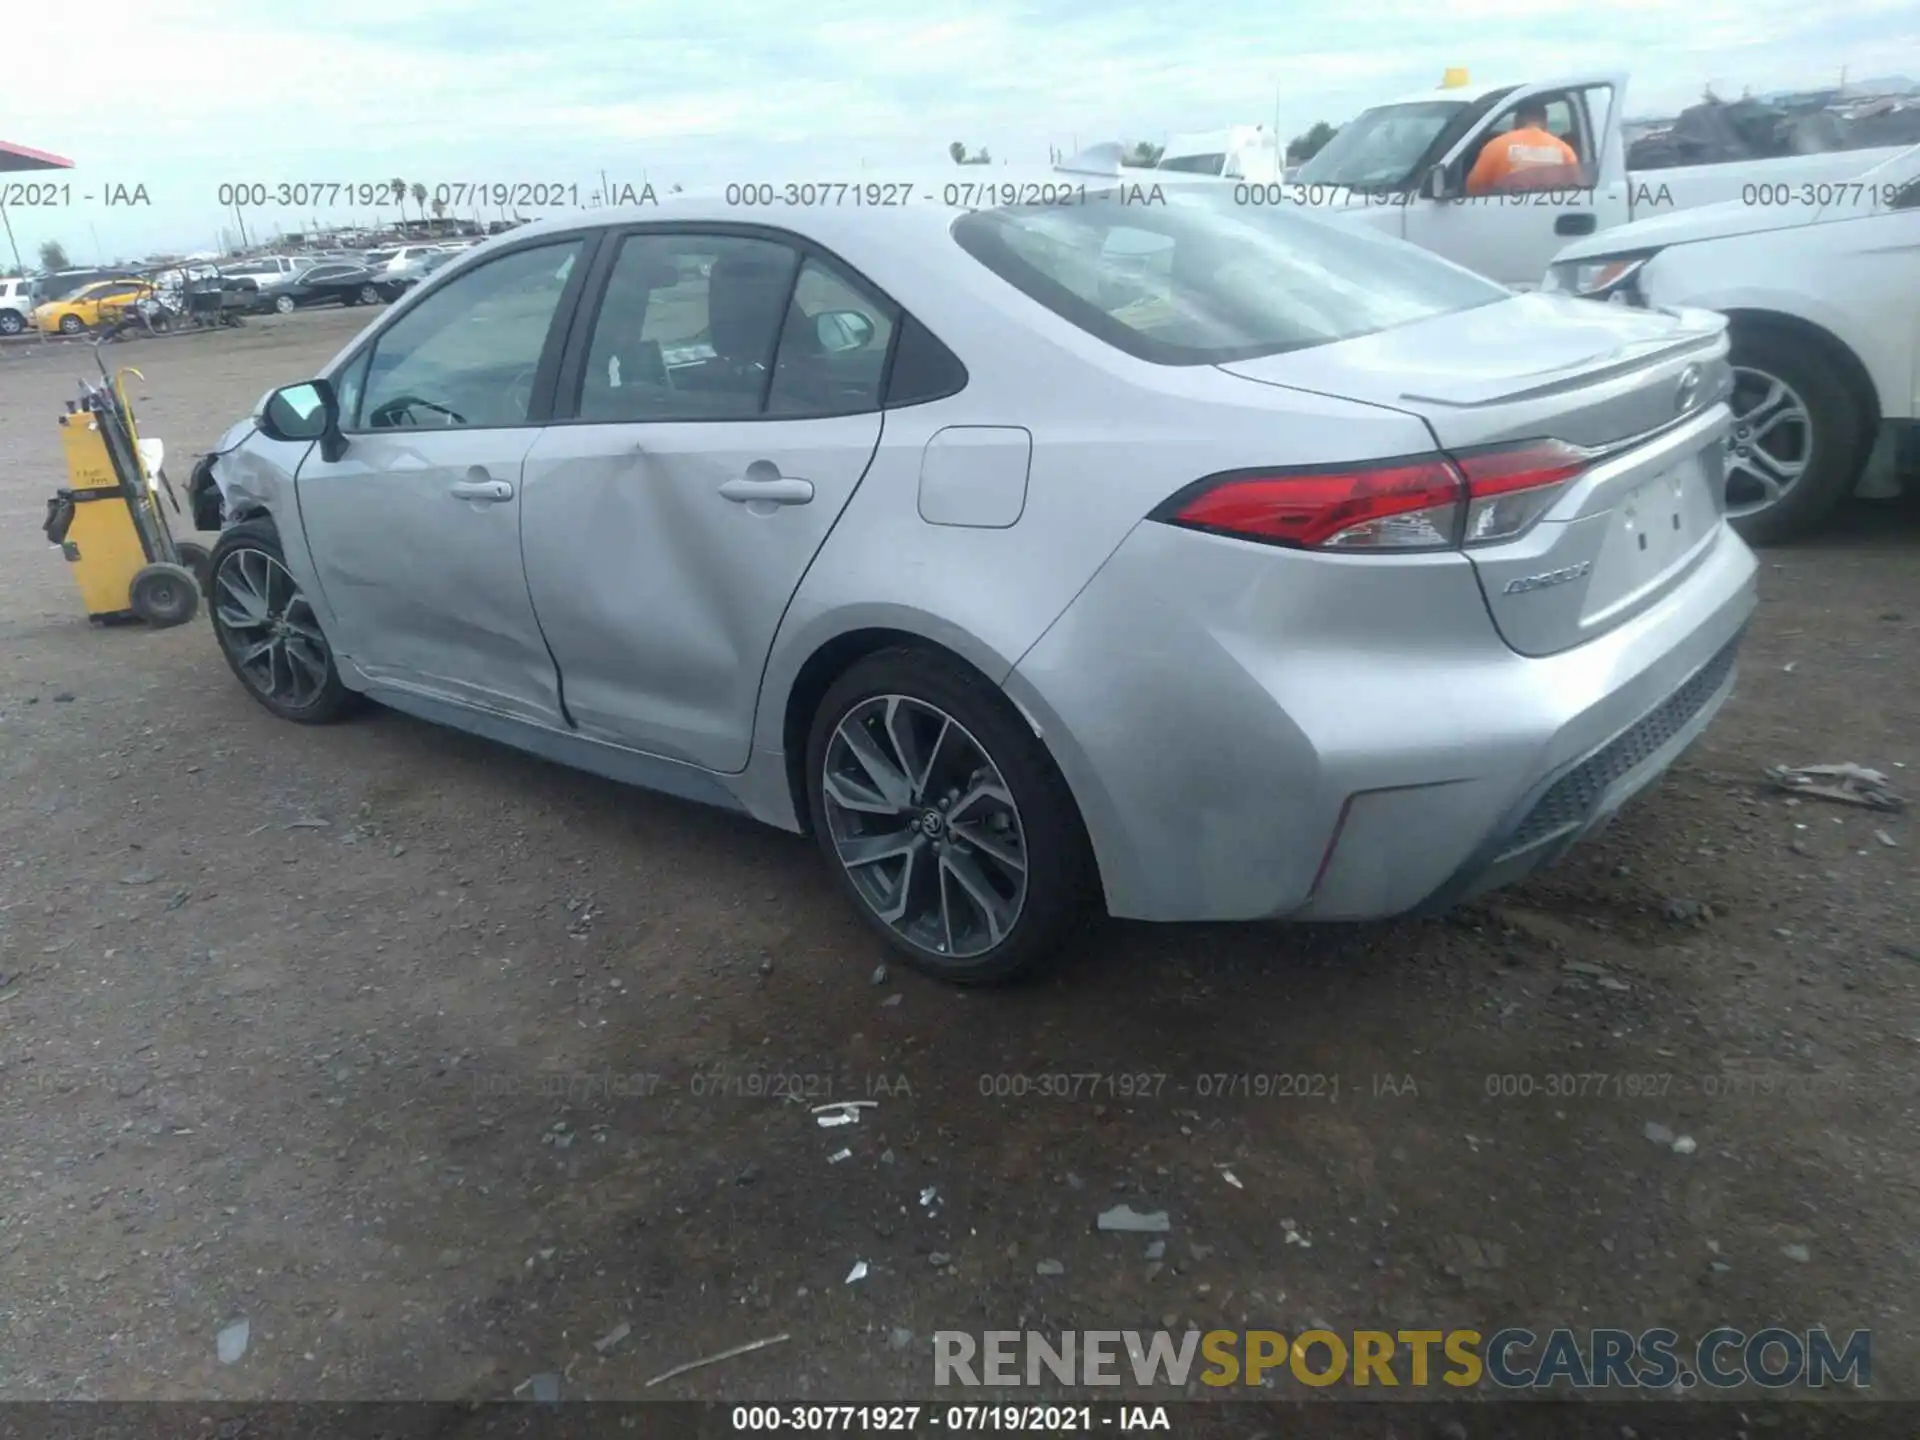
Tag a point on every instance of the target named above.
point(1514, 160)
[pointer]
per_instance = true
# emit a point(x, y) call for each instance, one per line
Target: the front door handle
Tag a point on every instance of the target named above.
point(782, 490)
point(1580, 223)
point(480, 486)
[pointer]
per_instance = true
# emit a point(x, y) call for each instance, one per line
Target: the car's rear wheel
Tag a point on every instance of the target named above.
point(283, 304)
point(944, 818)
point(268, 632)
point(369, 295)
point(1795, 448)
point(11, 323)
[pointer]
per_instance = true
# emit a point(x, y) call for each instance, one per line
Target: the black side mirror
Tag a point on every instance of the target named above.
point(307, 411)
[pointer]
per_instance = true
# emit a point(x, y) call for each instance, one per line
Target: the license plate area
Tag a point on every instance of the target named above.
point(1652, 534)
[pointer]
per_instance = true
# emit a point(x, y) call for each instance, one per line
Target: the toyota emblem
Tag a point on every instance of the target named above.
point(1687, 395)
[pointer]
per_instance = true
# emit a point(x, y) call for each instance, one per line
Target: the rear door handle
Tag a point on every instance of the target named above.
point(781, 491)
point(1576, 224)
point(481, 486)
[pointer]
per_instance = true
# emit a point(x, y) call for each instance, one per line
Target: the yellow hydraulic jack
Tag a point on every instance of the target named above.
point(108, 521)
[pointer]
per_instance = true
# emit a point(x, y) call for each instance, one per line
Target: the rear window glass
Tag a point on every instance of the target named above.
point(1200, 280)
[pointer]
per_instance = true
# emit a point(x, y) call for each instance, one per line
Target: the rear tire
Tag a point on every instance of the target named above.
point(268, 632)
point(1825, 445)
point(963, 802)
point(164, 595)
point(283, 304)
point(11, 323)
point(369, 295)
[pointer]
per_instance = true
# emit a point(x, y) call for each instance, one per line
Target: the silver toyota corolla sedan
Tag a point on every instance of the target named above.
point(1026, 541)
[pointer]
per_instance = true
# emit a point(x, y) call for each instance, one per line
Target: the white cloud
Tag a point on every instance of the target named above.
point(462, 90)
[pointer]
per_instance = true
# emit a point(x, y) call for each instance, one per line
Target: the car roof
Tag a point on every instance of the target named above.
point(938, 197)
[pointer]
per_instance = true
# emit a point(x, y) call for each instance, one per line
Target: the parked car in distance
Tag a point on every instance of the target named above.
point(58, 284)
point(1823, 286)
point(16, 304)
point(101, 303)
point(1263, 570)
point(336, 283)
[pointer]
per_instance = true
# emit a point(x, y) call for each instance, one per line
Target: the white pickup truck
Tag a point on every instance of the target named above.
point(1401, 168)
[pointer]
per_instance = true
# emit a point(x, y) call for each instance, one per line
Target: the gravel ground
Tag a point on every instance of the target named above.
point(437, 1064)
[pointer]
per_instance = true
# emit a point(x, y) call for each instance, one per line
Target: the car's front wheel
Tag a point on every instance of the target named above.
point(944, 818)
point(71, 324)
point(11, 323)
point(283, 304)
point(1795, 449)
point(267, 630)
point(370, 295)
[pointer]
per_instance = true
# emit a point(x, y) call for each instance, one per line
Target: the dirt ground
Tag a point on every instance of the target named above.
point(437, 1064)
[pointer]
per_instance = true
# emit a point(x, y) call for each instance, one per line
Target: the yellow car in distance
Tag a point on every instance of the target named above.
point(100, 303)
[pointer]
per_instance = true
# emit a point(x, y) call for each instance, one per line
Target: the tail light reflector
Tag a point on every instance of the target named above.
point(1421, 502)
point(1510, 487)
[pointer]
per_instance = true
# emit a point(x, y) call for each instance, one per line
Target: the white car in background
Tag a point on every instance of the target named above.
point(404, 263)
point(16, 305)
point(1821, 281)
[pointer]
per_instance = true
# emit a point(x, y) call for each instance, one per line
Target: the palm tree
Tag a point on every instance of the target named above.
point(420, 199)
point(399, 189)
point(439, 211)
point(958, 150)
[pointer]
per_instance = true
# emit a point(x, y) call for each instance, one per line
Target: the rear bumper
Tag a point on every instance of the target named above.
point(1565, 807)
point(1255, 733)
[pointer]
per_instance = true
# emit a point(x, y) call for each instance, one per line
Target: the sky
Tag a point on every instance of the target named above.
point(560, 91)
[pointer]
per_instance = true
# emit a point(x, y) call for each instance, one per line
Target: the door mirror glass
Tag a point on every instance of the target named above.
point(842, 330)
point(305, 411)
point(1434, 187)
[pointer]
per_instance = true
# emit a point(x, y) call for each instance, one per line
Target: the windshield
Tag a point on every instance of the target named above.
point(1379, 148)
point(1195, 164)
point(1201, 280)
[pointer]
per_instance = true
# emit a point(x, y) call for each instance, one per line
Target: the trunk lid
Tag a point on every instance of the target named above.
point(1645, 390)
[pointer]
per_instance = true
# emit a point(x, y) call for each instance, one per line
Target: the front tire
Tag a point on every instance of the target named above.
point(11, 323)
point(944, 819)
point(283, 304)
point(369, 295)
point(71, 324)
point(268, 632)
point(1795, 449)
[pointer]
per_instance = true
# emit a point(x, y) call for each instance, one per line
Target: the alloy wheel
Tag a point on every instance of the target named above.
point(1770, 445)
point(269, 628)
point(925, 826)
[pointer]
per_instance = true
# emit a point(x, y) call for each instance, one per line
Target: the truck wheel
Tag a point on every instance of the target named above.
point(164, 595)
point(1795, 448)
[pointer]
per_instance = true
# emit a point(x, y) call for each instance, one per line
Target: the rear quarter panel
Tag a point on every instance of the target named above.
point(1112, 438)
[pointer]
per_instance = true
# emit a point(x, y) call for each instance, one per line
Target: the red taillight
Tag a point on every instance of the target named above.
point(1511, 487)
point(1319, 508)
point(1425, 502)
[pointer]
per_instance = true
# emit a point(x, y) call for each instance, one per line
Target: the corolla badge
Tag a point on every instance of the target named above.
point(1547, 579)
point(1687, 394)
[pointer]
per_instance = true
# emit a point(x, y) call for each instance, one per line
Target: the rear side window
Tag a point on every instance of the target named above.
point(923, 368)
point(1200, 280)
